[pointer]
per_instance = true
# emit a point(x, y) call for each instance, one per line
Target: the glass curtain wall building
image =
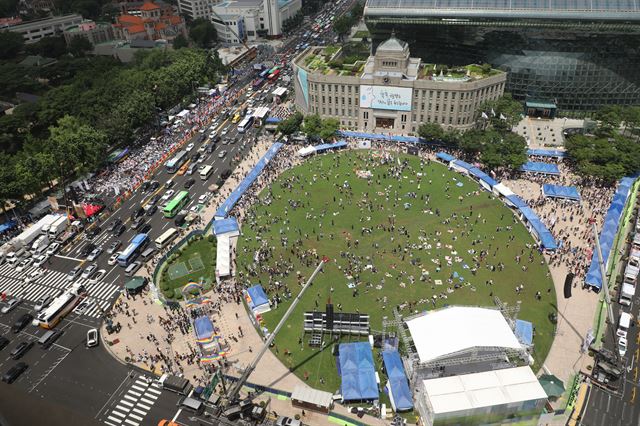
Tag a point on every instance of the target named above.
point(581, 54)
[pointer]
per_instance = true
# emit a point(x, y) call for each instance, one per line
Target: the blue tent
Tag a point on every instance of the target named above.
point(381, 136)
point(398, 385)
point(609, 230)
point(552, 153)
point(524, 332)
point(516, 201)
point(358, 378)
point(558, 191)
point(225, 226)
point(8, 225)
point(258, 296)
point(543, 168)
point(330, 146)
point(272, 120)
point(246, 183)
point(544, 235)
point(445, 157)
point(204, 327)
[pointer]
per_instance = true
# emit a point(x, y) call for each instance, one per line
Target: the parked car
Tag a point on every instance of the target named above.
point(167, 195)
point(190, 147)
point(145, 229)
point(222, 153)
point(154, 185)
point(151, 209)
point(136, 214)
point(82, 307)
point(112, 227)
point(33, 276)
point(189, 183)
point(14, 372)
point(287, 421)
point(74, 273)
point(203, 198)
point(91, 234)
point(4, 342)
point(119, 230)
point(53, 248)
point(154, 200)
point(98, 276)
point(114, 246)
point(24, 264)
point(10, 305)
point(39, 260)
point(168, 184)
point(21, 322)
point(43, 302)
point(132, 268)
point(86, 250)
point(137, 223)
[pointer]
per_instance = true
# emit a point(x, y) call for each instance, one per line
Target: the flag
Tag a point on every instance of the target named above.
point(485, 116)
point(493, 113)
point(502, 117)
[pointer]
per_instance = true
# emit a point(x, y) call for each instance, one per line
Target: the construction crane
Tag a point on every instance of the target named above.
point(235, 389)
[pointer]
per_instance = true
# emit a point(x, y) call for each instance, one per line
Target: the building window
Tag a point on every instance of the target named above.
point(403, 118)
point(365, 115)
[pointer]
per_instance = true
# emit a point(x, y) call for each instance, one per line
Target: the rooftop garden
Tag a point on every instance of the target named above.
point(471, 72)
point(343, 60)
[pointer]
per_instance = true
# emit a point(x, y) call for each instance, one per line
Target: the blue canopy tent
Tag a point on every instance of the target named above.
point(524, 332)
point(329, 146)
point(516, 201)
point(608, 232)
point(226, 226)
point(380, 136)
point(546, 238)
point(484, 179)
point(7, 225)
point(358, 378)
point(399, 391)
point(257, 299)
point(272, 120)
point(558, 191)
point(542, 168)
point(444, 157)
point(246, 183)
point(205, 333)
point(551, 153)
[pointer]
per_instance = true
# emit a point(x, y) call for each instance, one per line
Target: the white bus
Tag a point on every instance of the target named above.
point(205, 172)
point(165, 238)
point(60, 307)
point(245, 124)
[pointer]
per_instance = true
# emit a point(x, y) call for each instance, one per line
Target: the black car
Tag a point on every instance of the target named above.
point(3, 342)
point(144, 187)
point(189, 183)
point(154, 185)
point(19, 351)
point(87, 249)
point(21, 322)
point(113, 225)
point(195, 157)
point(154, 200)
point(179, 220)
point(225, 174)
point(119, 230)
point(137, 223)
point(151, 209)
point(91, 234)
point(145, 229)
point(137, 214)
point(210, 148)
point(14, 372)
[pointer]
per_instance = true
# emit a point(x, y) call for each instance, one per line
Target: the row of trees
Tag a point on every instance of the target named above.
point(293, 22)
point(342, 24)
point(314, 126)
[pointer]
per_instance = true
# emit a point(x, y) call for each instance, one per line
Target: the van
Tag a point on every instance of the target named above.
point(623, 324)
point(14, 256)
point(192, 168)
point(192, 404)
point(148, 253)
point(49, 338)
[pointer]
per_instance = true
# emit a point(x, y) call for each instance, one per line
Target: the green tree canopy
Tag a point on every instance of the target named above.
point(329, 128)
point(605, 159)
point(202, 32)
point(291, 124)
point(180, 42)
point(431, 131)
point(312, 125)
point(79, 46)
point(503, 113)
point(50, 47)
point(10, 44)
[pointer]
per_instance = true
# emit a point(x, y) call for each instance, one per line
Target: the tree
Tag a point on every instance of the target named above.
point(10, 44)
point(180, 42)
point(291, 124)
point(503, 113)
point(9, 186)
point(342, 25)
point(312, 125)
point(431, 131)
point(604, 159)
point(50, 47)
point(503, 150)
point(202, 32)
point(329, 128)
point(79, 46)
point(8, 8)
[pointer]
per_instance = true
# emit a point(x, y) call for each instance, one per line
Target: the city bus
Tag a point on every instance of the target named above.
point(177, 161)
point(175, 205)
point(205, 172)
point(265, 73)
point(165, 238)
point(257, 83)
point(274, 75)
point(133, 250)
point(60, 307)
point(236, 118)
point(245, 124)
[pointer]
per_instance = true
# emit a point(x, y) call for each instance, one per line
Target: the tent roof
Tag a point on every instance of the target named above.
point(558, 191)
point(312, 396)
point(445, 157)
point(204, 327)
point(135, 283)
point(554, 153)
point(486, 389)
point(524, 332)
point(226, 226)
point(398, 385)
point(538, 167)
point(330, 146)
point(440, 333)
point(257, 295)
point(358, 372)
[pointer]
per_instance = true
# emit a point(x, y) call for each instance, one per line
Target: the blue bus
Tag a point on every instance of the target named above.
point(265, 73)
point(133, 250)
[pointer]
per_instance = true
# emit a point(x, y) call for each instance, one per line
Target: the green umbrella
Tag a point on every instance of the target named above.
point(551, 385)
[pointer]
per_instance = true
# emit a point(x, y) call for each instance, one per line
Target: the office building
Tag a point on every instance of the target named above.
point(95, 32)
point(32, 31)
point(252, 19)
point(391, 92)
point(196, 8)
point(580, 55)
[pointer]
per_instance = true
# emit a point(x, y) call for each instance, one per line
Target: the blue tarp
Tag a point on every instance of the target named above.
point(524, 332)
point(225, 226)
point(516, 201)
point(258, 296)
point(237, 193)
point(398, 384)
point(557, 191)
point(272, 120)
point(462, 164)
point(381, 136)
point(445, 157)
point(537, 167)
point(357, 372)
point(546, 238)
point(204, 327)
point(553, 153)
point(8, 225)
point(609, 230)
point(329, 146)
point(479, 174)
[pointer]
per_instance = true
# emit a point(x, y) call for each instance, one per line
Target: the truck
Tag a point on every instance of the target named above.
point(176, 384)
point(48, 220)
point(31, 233)
point(58, 227)
point(628, 287)
point(40, 244)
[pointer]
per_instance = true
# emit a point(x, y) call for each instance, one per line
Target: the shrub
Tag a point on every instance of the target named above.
point(168, 293)
point(210, 238)
point(178, 295)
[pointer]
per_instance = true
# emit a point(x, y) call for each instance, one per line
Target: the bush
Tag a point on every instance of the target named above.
point(164, 286)
point(178, 295)
point(206, 286)
point(168, 293)
point(211, 238)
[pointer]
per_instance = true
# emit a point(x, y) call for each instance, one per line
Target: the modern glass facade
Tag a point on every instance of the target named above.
point(578, 64)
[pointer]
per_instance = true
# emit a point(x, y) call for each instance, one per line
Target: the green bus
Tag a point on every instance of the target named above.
point(175, 205)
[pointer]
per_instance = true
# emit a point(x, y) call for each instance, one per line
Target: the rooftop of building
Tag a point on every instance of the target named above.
point(49, 20)
point(239, 4)
point(601, 10)
point(351, 60)
point(149, 5)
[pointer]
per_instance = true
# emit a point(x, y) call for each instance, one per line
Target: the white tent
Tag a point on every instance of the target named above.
point(501, 189)
point(307, 150)
point(444, 332)
point(223, 256)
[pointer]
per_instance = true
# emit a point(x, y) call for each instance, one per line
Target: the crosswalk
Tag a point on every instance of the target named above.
point(135, 404)
point(12, 283)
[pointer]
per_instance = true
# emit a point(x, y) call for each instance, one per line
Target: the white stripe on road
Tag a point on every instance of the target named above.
point(68, 257)
point(139, 411)
point(147, 401)
point(146, 407)
point(127, 403)
point(131, 422)
point(133, 416)
point(114, 419)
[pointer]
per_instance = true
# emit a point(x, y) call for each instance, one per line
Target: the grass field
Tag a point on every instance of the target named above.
point(199, 256)
point(393, 236)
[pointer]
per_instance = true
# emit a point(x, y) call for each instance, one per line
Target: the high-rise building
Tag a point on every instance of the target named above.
point(579, 54)
point(32, 31)
point(256, 18)
point(196, 8)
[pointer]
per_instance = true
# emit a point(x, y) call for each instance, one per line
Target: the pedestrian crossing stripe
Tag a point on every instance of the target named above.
point(131, 410)
point(53, 283)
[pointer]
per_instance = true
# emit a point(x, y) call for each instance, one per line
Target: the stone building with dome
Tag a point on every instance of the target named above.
point(391, 92)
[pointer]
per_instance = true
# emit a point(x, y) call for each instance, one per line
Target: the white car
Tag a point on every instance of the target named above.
point(94, 254)
point(98, 276)
point(224, 132)
point(24, 264)
point(90, 270)
point(33, 277)
point(40, 259)
point(195, 209)
point(203, 198)
point(53, 248)
point(82, 307)
point(92, 338)
point(113, 259)
point(190, 146)
point(167, 195)
point(43, 302)
point(202, 130)
point(222, 153)
point(622, 346)
point(9, 305)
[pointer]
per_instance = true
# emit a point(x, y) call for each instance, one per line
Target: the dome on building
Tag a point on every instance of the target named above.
point(392, 45)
